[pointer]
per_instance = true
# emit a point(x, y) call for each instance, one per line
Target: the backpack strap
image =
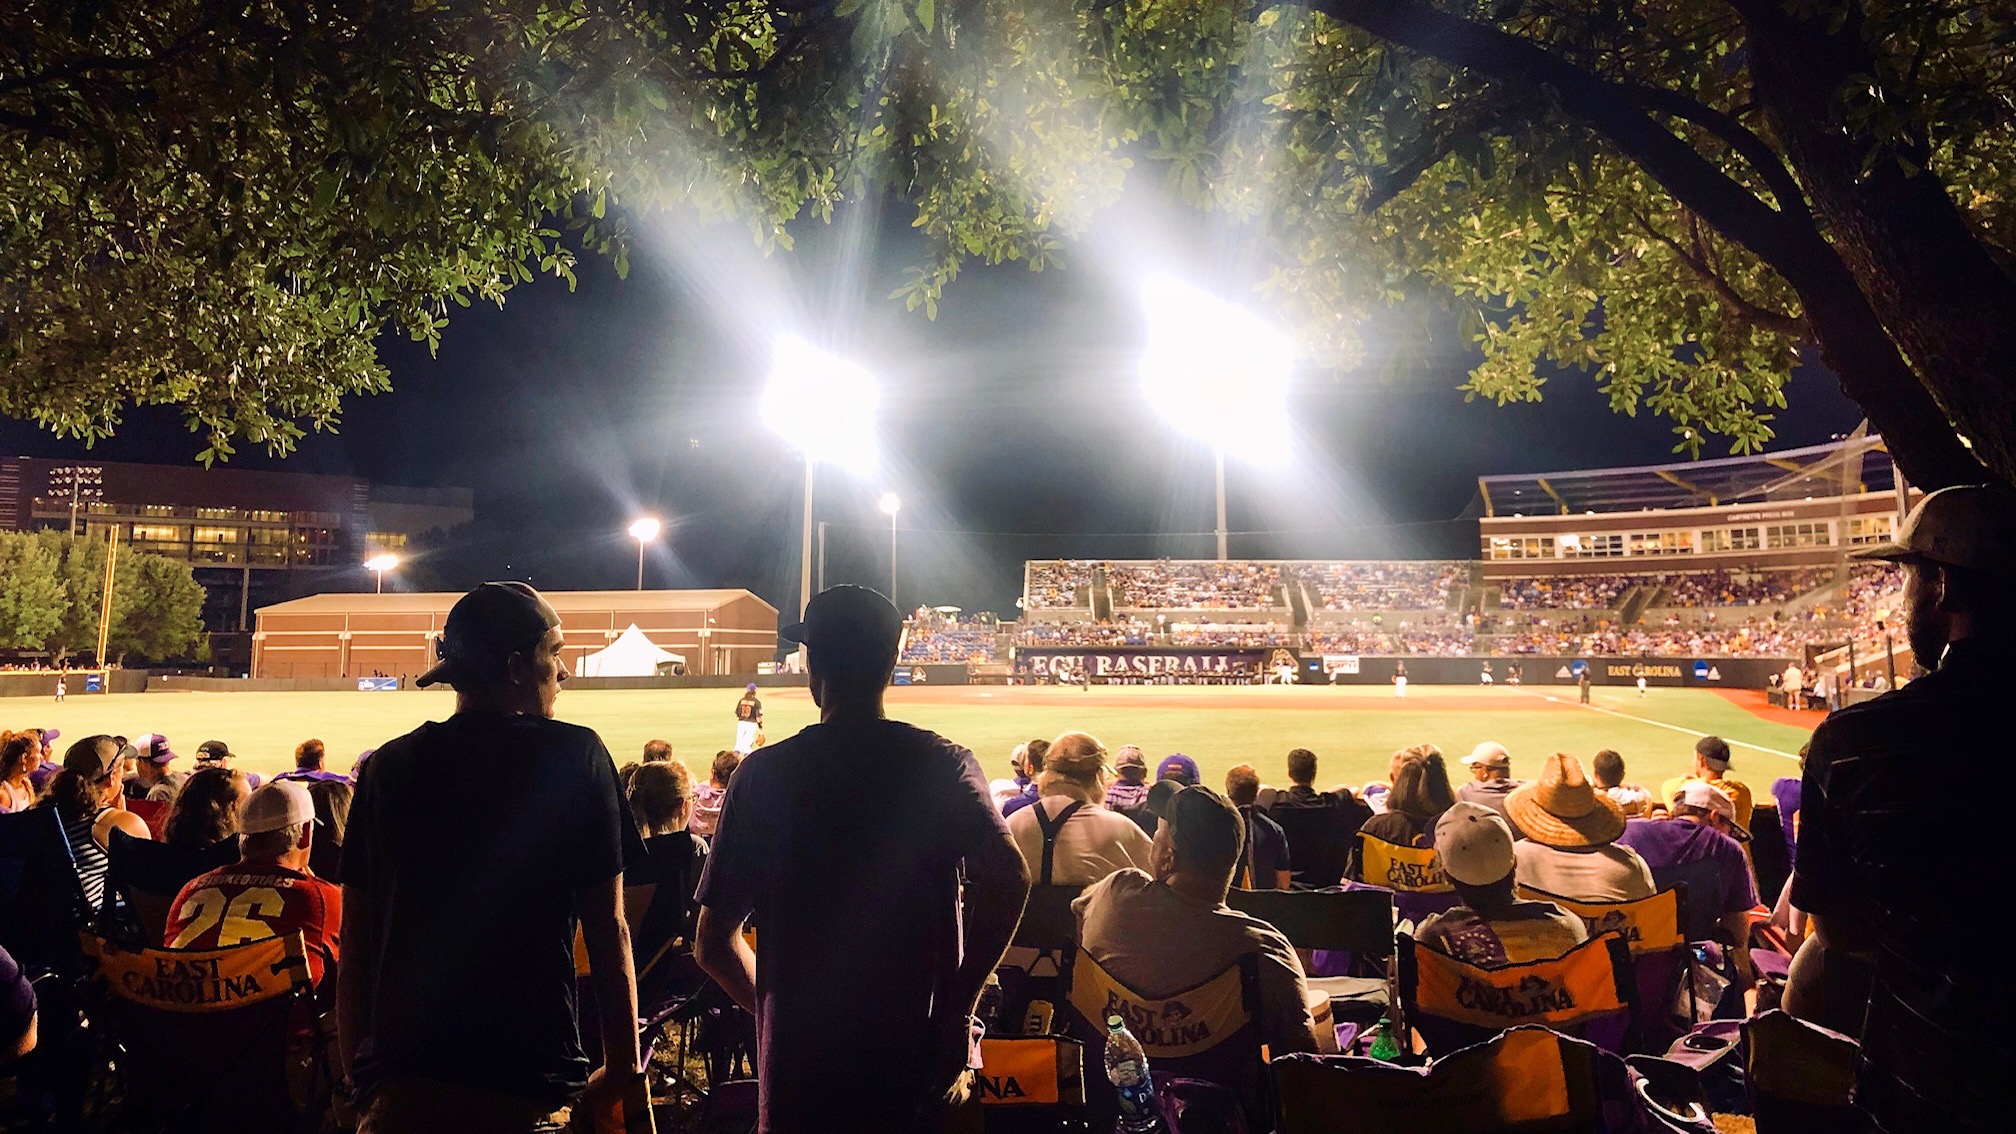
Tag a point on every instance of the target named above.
point(1050, 828)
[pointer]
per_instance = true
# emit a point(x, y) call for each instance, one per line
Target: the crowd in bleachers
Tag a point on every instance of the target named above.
point(1118, 632)
point(1193, 585)
point(1741, 588)
point(1434, 636)
point(1240, 635)
point(938, 639)
point(1057, 584)
point(1381, 585)
point(1565, 592)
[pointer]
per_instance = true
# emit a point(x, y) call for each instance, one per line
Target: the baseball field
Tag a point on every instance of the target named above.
point(1353, 731)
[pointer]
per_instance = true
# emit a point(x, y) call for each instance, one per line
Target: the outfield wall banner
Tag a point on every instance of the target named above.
point(1533, 670)
point(1145, 661)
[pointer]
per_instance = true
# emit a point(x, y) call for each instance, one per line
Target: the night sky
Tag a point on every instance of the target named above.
point(1013, 428)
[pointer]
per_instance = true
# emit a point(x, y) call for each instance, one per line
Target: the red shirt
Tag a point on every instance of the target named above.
point(251, 901)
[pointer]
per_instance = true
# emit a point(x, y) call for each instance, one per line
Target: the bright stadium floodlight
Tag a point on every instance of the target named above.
point(379, 564)
point(1217, 372)
point(824, 407)
point(644, 529)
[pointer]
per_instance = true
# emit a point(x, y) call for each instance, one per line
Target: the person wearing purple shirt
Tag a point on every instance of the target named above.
point(41, 776)
point(1704, 829)
point(1025, 775)
point(1787, 790)
point(309, 758)
point(17, 1011)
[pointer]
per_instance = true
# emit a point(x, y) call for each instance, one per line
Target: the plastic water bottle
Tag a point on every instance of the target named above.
point(1127, 1070)
point(1385, 1044)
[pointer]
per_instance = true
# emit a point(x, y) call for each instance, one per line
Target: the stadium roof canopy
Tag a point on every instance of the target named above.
point(1840, 468)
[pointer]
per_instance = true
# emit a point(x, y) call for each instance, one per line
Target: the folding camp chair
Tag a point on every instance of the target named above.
point(1651, 928)
point(1586, 991)
point(1526, 1079)
point(1701, 886)
point(1039, 954)
point(1032, 1084)
point(1211, 1031)
point(1357, 923)
point(1414, 874)
point(1318, 843)
point(1770, 854)
point(180, 1014)
point(1801, 1076)
point(153, 812)
point(146, 876)
point(42, 905)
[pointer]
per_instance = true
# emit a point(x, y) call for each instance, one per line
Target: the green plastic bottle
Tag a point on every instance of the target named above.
point(1387, 1045)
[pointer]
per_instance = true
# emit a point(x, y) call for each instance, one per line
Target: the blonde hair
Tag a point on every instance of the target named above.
point(1075, 758)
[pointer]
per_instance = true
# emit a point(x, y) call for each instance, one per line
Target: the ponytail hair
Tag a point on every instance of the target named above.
point(74, 791)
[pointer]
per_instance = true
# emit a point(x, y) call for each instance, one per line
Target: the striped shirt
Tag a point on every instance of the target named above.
point(89, 857)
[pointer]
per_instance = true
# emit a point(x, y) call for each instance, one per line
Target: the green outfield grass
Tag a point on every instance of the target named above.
point(1352, 731)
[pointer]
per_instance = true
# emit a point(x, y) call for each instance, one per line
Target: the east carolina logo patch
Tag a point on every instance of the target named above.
point(203, 980)
point(1000, 1087)
point(1532, 996)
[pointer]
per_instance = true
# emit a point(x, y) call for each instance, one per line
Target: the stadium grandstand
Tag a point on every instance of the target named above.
point(1740, 557)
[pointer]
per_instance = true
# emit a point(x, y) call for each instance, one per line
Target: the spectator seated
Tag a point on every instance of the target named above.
point(1453, 1004)
point(1527, 1078)
point(933, 639)
point(146, 876)
point(1195, 585)
point(1566, 592)
point(1381, 585)
point(1056, 584)
point(1741, 588)
point(178, 1030)
point(1129, 632)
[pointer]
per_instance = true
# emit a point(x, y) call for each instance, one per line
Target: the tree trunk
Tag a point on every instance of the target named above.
point(1879, 342)
point(1937, 290)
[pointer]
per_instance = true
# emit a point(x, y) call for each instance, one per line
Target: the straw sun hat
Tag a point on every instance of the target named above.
point(1563, 809)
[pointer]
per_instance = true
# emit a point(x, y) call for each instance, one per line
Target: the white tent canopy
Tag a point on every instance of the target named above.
point(630, 655)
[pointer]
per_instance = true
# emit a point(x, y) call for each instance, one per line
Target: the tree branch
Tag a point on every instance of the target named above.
point(1736, 302)
point(1735, 211)
point(1752, 149)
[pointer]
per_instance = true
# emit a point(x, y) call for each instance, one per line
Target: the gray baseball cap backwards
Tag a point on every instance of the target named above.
point(1967, 525)
point(485, 627)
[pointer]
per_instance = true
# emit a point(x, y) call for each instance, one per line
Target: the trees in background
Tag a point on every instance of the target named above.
point(220, 204)
point(52, 591)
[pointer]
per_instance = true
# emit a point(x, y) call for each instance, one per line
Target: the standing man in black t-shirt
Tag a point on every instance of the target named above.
point(1895, 866)
point(867, 975)
point(461, 893)
point(748, 720)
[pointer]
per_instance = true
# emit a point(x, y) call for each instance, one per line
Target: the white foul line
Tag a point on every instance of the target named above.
point(1673, 727)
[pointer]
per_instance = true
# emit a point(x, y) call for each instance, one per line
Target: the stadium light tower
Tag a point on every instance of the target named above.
point(1217, 372)
point(824, 407)
point(644, 529)
point(379, 564)
point(890, 505)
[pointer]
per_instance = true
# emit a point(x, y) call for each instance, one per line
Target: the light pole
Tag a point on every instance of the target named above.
point(379, 564)
point(824, 407)
point(1217, 372)
point(890, 504)
point(644, 529)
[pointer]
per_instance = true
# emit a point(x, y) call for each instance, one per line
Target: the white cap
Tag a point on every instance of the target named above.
point(276, 806)
point(1491, 754)
point(1708, 797)
point(1475, 844)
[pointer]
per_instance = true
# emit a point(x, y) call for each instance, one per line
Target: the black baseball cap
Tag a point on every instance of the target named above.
point(485, 627)
point(850, 618)
point(1204, 826)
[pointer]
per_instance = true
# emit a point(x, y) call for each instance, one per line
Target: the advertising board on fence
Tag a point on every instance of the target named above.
point(1133, 662)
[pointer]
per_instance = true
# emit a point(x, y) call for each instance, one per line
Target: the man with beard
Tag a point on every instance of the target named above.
point(1892, 862)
